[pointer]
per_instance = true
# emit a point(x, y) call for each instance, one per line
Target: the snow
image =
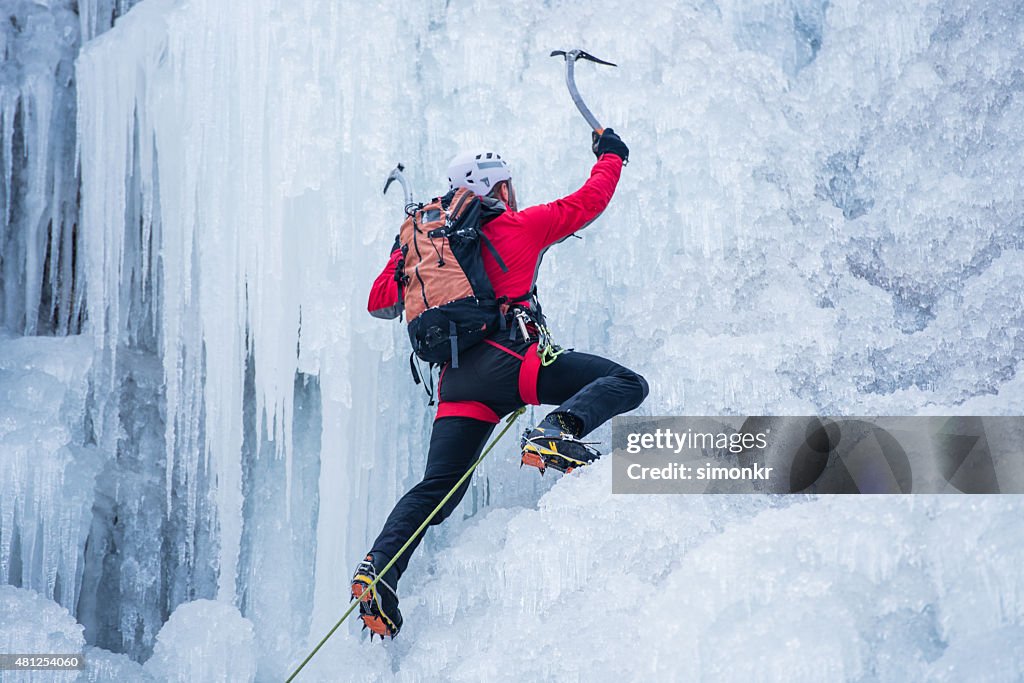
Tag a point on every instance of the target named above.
point(821, 214)
point(102, 666)
point(204, 641)
point(31, 624)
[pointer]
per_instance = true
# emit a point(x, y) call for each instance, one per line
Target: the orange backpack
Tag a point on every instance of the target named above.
point(450, 303)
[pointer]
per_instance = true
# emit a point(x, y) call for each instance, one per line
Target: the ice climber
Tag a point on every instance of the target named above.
point(498, 376)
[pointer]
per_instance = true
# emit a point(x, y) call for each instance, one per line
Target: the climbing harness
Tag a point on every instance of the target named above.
point(533, 315)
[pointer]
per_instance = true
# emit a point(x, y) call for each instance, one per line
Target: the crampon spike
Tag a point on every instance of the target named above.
point(533, 460)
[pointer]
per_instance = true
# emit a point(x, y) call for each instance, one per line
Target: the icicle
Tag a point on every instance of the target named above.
point(8, 108)
point(38, 44)
point(47, 483)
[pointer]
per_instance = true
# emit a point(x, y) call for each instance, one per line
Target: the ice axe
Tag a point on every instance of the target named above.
point(396, 174)
point(570, 80)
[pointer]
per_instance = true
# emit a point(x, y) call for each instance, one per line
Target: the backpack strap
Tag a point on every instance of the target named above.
point(467, 195)
point(413, 369)
point(494, 253)
point(453, 339)
point(417, 377)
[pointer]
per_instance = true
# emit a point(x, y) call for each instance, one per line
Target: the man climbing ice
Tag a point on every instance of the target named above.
point(516, 364)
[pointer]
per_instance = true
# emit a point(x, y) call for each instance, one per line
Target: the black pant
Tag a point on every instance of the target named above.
point(589, 387)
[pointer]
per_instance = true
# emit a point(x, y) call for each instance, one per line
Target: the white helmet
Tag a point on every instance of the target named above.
point(478, 170)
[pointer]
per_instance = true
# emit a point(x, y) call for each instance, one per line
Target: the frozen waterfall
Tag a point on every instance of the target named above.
point(822, 214)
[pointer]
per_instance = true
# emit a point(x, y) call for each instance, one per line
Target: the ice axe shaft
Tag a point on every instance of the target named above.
point(396, 174)
point(570, 80)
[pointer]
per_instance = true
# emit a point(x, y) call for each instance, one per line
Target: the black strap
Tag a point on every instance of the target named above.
point(417, 376)
point(494, 252)
point(524, 297)
point(454, 340)
point(533, 311)
point(413, 369)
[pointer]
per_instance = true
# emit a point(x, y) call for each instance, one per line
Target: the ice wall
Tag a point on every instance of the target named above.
point(595, 587)
point(47, 472)
point(210, 274)
point(41, 280)
point(38, 177)
point(821, 213)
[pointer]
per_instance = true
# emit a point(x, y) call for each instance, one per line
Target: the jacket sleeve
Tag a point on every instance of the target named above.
point(385, 295)
point(553, 222)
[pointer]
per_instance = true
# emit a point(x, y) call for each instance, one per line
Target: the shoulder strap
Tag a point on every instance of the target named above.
point(494, 252)
point(466, 196)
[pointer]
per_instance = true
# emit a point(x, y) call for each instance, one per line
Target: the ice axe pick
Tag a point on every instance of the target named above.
point(570, 80)
point(396, 174)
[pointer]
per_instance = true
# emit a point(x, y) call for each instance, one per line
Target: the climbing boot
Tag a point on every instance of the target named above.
point(554, 443)
point(378, 603)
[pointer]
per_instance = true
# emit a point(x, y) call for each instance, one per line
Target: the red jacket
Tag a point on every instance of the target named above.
point(520, 238)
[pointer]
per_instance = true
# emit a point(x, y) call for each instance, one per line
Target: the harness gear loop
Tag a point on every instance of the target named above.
point(547, 349)
point(509, 421)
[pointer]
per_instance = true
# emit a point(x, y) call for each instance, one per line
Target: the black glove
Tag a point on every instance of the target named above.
point(609, 143)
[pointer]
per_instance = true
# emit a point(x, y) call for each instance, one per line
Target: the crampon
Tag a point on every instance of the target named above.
point(378, 604)
point(544, 448)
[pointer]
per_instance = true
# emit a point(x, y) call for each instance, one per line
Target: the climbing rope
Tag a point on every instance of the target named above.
point(508, 423)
